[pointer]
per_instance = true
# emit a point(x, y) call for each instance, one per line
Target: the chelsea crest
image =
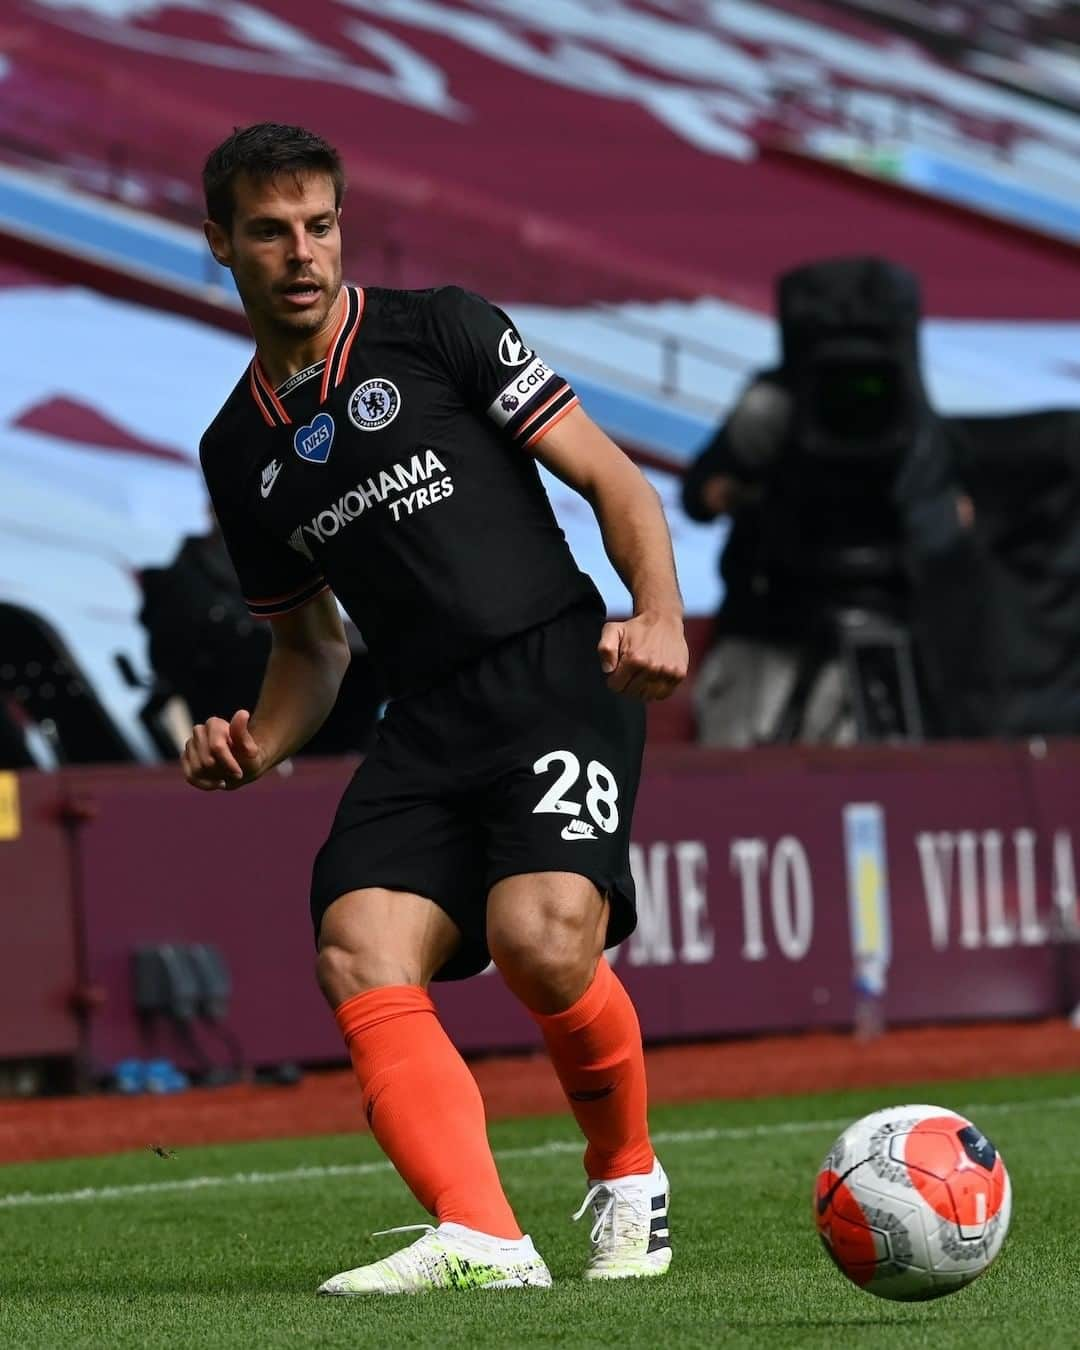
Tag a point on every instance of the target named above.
point(374, 404)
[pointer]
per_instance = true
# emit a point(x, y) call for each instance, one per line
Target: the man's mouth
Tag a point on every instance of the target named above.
point(301, 292)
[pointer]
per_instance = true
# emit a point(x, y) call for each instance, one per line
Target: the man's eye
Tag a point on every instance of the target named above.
point(268, 233)
point(322, 228)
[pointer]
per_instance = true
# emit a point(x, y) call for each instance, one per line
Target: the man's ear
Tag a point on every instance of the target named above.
point(218, 241)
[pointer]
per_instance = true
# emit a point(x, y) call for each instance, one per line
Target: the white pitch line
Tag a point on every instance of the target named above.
point(25, 1199)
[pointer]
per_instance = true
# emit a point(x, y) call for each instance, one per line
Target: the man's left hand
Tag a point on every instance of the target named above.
point(645, 657)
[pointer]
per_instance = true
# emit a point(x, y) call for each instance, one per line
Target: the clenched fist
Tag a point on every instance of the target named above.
point(222, 754)
point(645, 657)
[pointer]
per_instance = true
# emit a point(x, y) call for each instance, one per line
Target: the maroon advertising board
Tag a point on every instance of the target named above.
point(38, 922)
point(163, 864)
point(943, 878)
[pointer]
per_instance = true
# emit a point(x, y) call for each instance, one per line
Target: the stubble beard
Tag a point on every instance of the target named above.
point(300, 325)
point(305, 324)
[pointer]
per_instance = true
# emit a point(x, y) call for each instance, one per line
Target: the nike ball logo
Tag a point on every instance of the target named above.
point(824, 1201)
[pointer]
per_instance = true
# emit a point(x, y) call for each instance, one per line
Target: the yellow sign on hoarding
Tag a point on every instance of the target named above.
point(10, 827)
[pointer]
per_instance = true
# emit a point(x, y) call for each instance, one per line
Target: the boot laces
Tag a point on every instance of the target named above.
point(604, 1208)
point(406, 1228)
point(617, 1217)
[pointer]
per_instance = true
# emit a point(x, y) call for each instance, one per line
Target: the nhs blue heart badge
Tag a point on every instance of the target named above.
point(313, 442)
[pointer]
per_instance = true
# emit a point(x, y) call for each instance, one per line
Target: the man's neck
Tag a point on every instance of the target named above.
point(281, 355)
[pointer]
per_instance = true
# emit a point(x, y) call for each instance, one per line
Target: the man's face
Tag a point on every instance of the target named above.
point(284, 250)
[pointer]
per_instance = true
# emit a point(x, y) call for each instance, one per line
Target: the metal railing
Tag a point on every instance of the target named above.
point(671, 348)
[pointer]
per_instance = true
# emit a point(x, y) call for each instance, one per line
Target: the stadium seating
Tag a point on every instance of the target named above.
point(43, 680)
point(655, 304)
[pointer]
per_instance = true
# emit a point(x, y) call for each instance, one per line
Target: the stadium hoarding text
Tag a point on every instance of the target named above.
point(767, 881)
point(753, 916)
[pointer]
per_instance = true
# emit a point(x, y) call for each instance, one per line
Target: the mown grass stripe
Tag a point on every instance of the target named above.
point(664, 1137)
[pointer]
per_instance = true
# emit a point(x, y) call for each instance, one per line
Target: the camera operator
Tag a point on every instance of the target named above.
point(843, 501)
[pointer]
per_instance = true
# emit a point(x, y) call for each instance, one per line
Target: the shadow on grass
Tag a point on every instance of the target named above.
point(812, 1323)
point(231, 1285)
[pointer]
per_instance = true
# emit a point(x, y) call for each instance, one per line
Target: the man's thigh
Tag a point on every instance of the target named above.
point(387, 838)
point(563, 802)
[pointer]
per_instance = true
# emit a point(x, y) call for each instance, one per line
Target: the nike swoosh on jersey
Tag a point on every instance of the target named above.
point(268, 481)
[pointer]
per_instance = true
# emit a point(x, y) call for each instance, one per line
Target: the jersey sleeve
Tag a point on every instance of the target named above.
point(495, 369)
point(274, 578)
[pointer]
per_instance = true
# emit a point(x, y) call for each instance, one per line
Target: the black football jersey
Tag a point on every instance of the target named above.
point(397, 473)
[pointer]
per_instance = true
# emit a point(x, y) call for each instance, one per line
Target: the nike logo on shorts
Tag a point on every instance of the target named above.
point(578, 829)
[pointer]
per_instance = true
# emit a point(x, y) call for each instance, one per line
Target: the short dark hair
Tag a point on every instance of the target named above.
point(263, 151)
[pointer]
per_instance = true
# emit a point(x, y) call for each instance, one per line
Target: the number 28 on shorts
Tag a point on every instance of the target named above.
point(601, 797)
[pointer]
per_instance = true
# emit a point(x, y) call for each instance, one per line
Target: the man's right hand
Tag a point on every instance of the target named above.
point(222, 754)
point(722, 494)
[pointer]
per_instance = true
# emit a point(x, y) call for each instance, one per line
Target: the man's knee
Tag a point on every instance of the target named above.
point(374, 938)
point(546, 945)
point(343, 971)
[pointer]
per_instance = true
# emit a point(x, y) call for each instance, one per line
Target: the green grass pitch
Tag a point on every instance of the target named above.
point(223, 1247)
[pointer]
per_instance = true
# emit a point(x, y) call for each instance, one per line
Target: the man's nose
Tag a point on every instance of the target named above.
point(300, 245)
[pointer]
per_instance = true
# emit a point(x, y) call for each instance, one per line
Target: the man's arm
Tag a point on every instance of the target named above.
point(308, 660)
point(728, 473)
point(716, 483)
point(702, 500)
point(646, 656)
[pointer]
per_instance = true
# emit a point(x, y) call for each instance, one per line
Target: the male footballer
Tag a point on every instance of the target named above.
point(380, 450)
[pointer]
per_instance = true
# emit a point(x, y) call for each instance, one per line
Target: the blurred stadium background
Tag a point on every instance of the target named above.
point(631, 179)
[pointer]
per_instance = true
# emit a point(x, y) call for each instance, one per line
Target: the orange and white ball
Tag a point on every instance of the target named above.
point(913, 1202)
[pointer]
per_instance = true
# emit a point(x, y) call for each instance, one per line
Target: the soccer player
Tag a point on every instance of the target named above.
point(380, 450)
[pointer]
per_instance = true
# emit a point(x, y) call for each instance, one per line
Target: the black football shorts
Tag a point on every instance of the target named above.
point(524, 761)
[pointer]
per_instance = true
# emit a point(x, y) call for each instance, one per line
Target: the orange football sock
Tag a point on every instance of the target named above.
point(424, 1107)
point(595, 1046)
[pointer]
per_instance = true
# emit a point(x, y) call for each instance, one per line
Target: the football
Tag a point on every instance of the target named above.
point(912, 1202)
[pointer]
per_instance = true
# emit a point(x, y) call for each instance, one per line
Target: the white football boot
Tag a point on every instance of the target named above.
point(448, 1257)
point(630, 1236)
